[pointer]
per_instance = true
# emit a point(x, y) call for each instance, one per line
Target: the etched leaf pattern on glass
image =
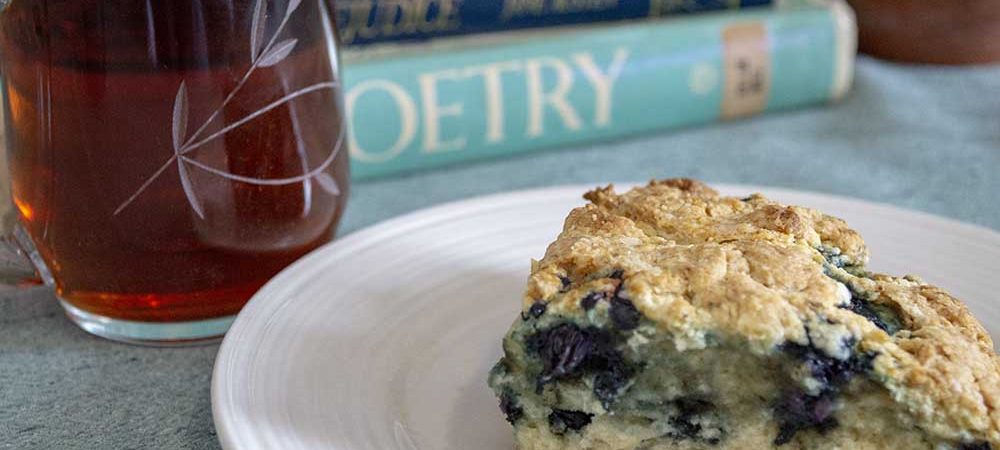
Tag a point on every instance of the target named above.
point(178, 130)
point(180, 117)
point(257, 29)
point(262, 54)
point(278, 53)
point(328, 183)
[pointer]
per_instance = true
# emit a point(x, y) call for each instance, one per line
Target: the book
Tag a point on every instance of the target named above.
point(364, 22)
point(462, 99)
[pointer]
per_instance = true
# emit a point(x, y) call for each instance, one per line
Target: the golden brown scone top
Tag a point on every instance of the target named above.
point(707, 269)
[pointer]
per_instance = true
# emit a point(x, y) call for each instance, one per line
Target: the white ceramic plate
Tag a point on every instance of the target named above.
point(382, 340)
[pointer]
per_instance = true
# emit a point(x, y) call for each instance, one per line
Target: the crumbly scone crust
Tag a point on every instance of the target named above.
point(706, 268)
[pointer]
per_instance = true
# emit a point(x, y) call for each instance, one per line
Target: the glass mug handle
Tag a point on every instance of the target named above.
point(20, 264)
point(17, 267)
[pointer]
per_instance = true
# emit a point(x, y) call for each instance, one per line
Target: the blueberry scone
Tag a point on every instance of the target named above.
point(669, 317)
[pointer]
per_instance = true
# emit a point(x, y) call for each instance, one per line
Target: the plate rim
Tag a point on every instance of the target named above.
point(262, 301)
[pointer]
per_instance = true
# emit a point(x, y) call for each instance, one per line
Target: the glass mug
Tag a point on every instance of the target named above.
point(167, 158)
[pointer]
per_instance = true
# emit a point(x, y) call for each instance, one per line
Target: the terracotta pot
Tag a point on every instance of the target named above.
point(930, 31)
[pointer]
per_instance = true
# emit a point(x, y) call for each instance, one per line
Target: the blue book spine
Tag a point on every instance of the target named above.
point(364, 22)
point(456, 100)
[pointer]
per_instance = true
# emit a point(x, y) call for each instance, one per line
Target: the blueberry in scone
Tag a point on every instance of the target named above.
point(669, 317)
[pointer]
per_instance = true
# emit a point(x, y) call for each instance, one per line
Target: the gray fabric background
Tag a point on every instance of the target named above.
point(926, 138)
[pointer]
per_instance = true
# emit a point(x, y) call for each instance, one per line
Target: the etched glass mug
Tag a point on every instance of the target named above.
point(167, 158)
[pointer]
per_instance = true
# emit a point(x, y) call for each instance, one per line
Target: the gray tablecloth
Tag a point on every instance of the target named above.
point(926, 138)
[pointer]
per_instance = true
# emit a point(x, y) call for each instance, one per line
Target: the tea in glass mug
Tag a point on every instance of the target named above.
point(168, 157)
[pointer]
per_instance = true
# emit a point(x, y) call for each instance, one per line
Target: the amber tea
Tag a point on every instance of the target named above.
point(168, 158)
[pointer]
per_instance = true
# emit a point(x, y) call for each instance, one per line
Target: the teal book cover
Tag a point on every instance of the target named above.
point(412, 108)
